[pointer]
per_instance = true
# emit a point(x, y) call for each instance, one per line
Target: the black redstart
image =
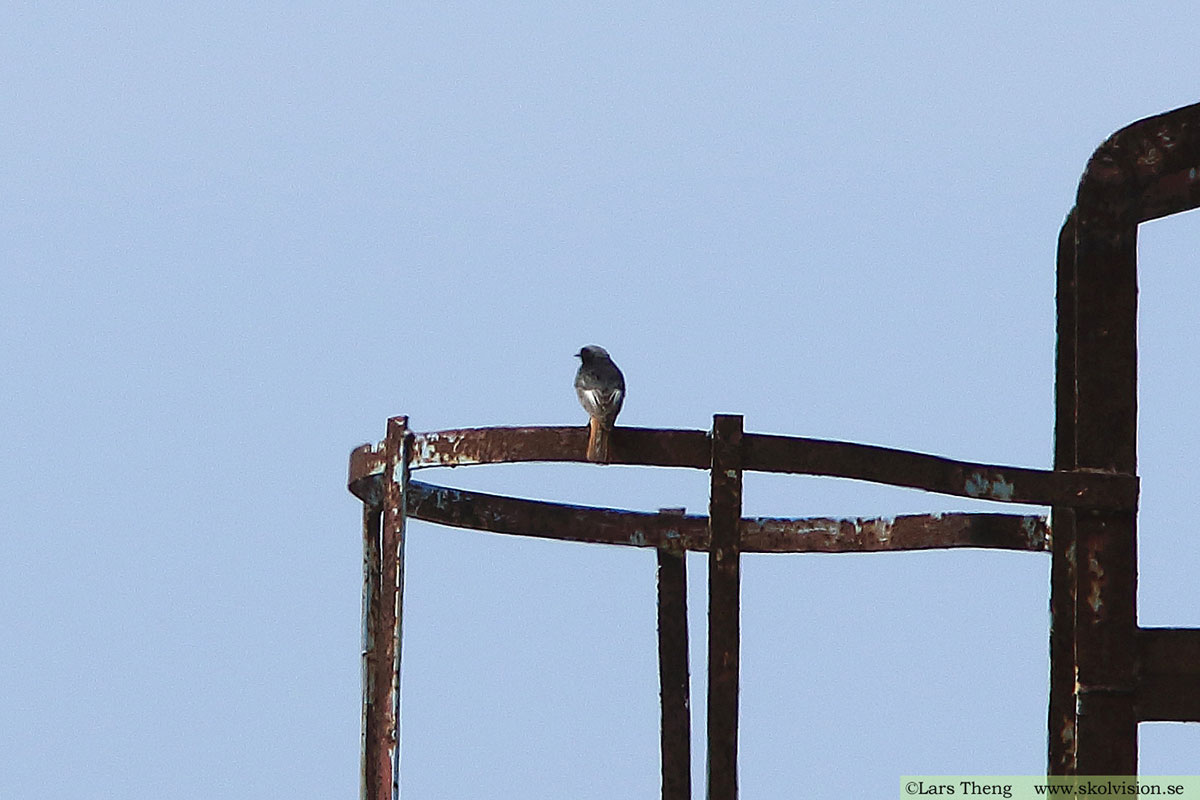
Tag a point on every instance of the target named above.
point(601, 389)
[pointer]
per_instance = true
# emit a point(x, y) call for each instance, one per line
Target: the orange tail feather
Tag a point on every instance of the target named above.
point(597, 449)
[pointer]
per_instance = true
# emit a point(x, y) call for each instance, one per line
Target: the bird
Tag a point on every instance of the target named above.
point(601, 389)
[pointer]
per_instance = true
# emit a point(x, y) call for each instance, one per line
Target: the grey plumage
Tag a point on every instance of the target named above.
point(601, 390)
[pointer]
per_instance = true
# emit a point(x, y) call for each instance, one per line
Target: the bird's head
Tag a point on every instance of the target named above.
point(592, 352)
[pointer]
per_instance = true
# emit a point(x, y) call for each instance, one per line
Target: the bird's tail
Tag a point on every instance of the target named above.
point(597, 449)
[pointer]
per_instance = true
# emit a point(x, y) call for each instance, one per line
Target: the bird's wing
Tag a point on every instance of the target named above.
point(602, 403)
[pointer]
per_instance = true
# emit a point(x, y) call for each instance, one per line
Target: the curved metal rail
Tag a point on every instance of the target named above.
point(760, 453)
point(510, 515)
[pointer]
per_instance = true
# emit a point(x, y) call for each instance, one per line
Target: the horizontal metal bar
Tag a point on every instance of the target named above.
point(764, 453)
point(793, 454)
point(537, 518)
point(908, 532)
point(1172, 194)
point(488, 512)
point(638, 446)
point(1168, 686)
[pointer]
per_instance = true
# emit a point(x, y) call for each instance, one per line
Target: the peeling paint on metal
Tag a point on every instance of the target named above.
point(879, 529)
point(439, 448)
point(1097, 572)
point(1034, 529)
point(978, 485)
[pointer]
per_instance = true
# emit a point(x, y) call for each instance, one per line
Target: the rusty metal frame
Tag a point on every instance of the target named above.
point(1106, 673)
point(673, 676)
point(380, 477)
point(384, 514)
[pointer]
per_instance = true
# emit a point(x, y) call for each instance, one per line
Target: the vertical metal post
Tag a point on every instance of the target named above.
point(724, 590)
point(676, 726)
point(370, 640)
point(382, 774)
point(1105, 440)
point(1061, 717)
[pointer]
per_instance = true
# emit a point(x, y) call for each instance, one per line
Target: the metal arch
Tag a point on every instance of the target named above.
point(1104, 668)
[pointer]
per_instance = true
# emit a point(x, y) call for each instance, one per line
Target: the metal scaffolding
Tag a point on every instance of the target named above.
point(1107, 674)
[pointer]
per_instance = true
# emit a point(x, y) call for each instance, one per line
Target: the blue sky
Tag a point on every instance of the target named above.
point(236, 239)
